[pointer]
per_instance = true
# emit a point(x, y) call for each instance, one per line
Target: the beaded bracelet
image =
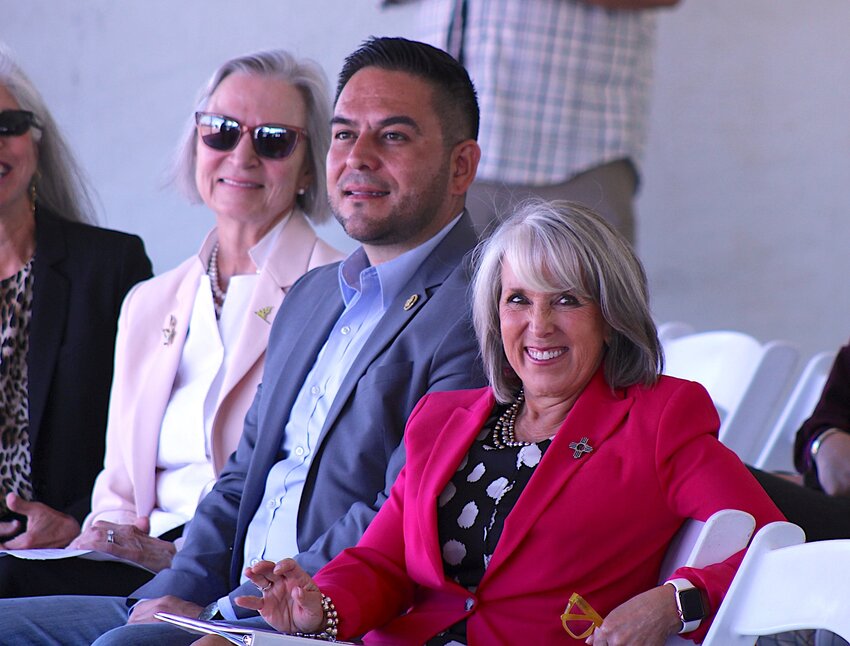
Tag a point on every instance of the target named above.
point(331, 622)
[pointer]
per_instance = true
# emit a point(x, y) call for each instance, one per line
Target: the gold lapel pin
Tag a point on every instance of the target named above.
point(580, 448)
point(264, 312)
point(410, 302)
point(169, 331)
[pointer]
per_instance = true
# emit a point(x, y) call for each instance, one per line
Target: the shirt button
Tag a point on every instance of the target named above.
point(469, 604)
point(299, 451)
point(314, 390)
point(345, 330)
point(254, 562)
point(272, 503)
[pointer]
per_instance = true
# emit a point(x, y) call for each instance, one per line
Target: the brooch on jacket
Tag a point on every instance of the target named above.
point(581, 447)
point(170, 330)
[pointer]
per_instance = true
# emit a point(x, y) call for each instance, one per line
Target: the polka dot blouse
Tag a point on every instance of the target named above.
point(472, 508)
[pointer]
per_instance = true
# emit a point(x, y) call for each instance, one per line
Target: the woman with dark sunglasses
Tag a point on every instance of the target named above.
point(192, 341)
point(61, 286)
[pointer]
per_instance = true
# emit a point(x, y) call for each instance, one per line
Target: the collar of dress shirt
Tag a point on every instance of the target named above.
point(393, 275)
point(259, 253)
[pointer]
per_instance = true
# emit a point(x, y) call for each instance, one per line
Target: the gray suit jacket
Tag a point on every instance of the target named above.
point(429, 347)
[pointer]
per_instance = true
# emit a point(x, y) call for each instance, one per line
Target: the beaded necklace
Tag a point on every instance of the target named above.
point(504, 434)
point(218, 293)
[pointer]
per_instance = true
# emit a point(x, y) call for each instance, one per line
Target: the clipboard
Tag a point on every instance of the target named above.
point(238, 634)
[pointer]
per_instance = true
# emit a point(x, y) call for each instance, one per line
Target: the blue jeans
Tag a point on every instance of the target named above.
point(82, 620)
point(59, 620)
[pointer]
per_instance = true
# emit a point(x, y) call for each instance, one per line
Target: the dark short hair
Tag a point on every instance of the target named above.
point(455, 100)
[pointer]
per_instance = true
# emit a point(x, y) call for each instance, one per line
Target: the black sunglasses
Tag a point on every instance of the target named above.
point(14, 123)
point(271, 140)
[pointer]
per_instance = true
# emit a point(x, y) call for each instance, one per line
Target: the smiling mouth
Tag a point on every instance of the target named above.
point(545, 355)
point(239, 184)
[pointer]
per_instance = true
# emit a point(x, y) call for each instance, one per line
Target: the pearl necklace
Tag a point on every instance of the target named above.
point(504, 434)
point(218, 293)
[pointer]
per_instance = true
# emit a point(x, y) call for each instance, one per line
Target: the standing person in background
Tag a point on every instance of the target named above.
point(192, 341)
point(564, 89)
point(61, 286)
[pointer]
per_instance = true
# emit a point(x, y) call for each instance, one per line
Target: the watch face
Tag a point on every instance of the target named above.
point(691, 604)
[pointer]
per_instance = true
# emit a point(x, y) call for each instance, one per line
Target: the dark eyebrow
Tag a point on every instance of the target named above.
point(402, 121)
point(341, 121)
point(389, 121)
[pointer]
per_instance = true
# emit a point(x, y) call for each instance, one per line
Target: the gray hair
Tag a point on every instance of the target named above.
point(558, 246)
point(59, 181)
point(305, 75)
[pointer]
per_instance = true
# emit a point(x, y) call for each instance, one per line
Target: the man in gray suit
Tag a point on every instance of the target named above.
point(352, 350)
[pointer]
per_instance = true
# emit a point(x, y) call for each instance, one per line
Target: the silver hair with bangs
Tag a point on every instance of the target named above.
point(564, 246)
point(305, 75)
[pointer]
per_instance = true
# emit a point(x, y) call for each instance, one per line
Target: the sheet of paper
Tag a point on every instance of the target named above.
point(235, 633)
point(61, 553)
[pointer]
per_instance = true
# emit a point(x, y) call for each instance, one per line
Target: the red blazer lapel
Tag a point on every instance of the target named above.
point(596, 415)
point(451, 444)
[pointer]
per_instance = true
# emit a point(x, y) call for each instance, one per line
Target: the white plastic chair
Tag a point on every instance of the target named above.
point(745, 378)
point(782, 585)
point(698, 544)
point(778, 451)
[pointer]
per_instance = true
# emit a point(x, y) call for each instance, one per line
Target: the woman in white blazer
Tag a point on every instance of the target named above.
point(191, 342)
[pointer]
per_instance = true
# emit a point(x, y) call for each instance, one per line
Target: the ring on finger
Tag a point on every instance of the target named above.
point(110, 536)
point(265, 587)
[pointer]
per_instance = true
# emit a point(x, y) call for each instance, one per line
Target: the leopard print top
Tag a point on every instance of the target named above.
point(15, 314)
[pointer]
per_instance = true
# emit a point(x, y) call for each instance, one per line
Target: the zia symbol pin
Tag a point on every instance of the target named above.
point(580, 448)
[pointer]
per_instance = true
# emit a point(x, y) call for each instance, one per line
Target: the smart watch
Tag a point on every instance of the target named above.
point(689, 604)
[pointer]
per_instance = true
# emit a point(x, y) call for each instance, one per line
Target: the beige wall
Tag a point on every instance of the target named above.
point(745, 212)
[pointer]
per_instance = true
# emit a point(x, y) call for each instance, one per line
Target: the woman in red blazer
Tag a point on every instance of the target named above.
point(570, 474)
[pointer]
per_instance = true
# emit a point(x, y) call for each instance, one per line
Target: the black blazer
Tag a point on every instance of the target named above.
point(81, 274)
